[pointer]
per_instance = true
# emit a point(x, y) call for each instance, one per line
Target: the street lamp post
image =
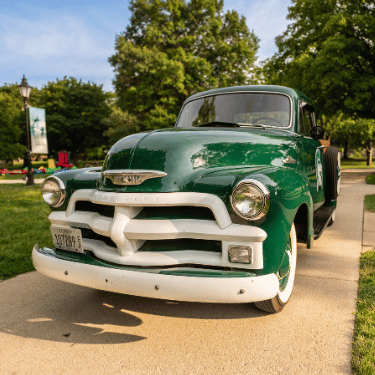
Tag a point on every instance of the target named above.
point(25, 91)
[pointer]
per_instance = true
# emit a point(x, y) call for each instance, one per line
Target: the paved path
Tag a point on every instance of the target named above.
point(49, 327)
point(36, 181)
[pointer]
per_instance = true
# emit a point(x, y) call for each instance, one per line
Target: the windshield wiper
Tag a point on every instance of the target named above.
point(220, 124)
point(252, 125)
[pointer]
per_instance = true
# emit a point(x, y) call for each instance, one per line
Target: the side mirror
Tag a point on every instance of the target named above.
point(317, 132)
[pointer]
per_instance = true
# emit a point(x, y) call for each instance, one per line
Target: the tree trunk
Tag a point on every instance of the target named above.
point(369, 150)
point(346, 150)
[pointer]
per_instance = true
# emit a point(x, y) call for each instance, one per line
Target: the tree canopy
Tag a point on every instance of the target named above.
point(119, 124)
point(74, 114)
point(328, 53)
point(11, 123)
point(174, 48)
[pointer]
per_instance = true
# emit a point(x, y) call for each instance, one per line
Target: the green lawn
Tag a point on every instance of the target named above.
point(24, 223)
point(21, 176)
point(363, 360)
point(370, 203)
point(355, 163)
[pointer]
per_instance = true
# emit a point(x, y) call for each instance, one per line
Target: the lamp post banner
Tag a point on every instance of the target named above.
point(38, 130)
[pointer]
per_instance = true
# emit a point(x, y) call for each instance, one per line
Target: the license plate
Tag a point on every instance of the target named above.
point(67, 239)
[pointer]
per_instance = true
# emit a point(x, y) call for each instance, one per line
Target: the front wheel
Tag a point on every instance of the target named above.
point(277, 303)
point(332, 219)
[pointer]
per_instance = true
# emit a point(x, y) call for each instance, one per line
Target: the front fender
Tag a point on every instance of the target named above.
point(84, 178)
point(289, 190)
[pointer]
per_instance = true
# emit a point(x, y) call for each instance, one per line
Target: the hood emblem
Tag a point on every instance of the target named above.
point(289, 160)
point(130, 177)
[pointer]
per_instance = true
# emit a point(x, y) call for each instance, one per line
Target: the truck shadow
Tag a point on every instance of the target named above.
point(51, 310)
point(66, 313)
point(178, 309)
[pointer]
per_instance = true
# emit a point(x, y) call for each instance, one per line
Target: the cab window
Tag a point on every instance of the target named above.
point(306, 118)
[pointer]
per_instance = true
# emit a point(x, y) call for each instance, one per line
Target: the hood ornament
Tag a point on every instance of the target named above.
point(131, 177)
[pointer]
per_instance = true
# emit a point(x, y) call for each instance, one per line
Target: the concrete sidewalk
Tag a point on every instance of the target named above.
point(368, 235)
point(50, 327)
point(36, 180)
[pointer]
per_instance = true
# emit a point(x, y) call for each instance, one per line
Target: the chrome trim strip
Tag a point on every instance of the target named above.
point(131, 177)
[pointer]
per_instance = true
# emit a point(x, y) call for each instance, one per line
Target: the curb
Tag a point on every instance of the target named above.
point(368, 236)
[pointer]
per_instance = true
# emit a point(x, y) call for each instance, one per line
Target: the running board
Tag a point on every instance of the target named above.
point(322, 217)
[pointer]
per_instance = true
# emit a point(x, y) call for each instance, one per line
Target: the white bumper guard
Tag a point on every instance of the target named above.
point(171, 287)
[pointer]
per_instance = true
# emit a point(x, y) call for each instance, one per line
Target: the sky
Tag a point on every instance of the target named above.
point(50, 39)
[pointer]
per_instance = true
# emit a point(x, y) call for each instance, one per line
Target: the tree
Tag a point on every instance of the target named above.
point(12, 124)
point(74, 114)
point(119, 124)
point(365, 136)
point(174, 48)
point(328, 53)
point(348, 131)
point(10, 130)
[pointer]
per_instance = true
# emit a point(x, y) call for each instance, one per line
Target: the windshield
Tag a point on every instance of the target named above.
point(243, 109)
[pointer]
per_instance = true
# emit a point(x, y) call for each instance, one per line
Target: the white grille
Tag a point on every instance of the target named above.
point(129, 234)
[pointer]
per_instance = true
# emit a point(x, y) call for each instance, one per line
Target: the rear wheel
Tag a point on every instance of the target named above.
point(332, 182)
point(286, 283)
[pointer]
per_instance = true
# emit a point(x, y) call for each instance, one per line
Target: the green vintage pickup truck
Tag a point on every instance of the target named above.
point(208, 211)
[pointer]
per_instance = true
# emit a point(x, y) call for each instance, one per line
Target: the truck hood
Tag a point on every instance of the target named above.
point(187, 154)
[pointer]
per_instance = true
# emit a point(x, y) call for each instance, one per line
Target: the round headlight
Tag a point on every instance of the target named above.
point(250, 199)
point(53, 191)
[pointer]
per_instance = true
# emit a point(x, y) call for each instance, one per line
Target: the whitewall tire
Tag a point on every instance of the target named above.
point(286, 284)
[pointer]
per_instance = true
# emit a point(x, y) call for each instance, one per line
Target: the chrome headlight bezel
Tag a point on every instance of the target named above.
point(264, 194)
point(61, 191)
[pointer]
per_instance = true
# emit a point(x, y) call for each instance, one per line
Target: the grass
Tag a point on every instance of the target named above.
point(370, 203)
point(363, 360)
point(370, 179)
point(355, 163)
point(21, 176)
point(24, 223)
